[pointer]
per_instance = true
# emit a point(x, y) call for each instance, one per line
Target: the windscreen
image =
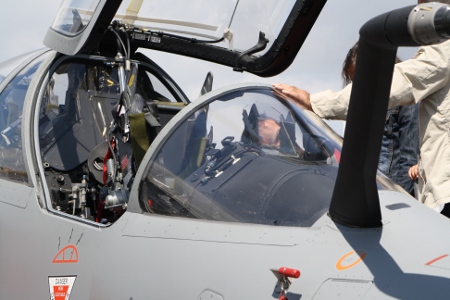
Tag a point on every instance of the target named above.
point(12, 99)
point(8, 66)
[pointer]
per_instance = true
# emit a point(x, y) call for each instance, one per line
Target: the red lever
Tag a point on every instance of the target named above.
point(288, 272)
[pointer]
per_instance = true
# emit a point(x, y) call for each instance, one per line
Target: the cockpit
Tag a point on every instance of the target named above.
point(90, 143)
point(247, 156)
point(243, 154)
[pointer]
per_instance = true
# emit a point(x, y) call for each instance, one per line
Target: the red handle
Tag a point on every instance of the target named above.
point(288, 272)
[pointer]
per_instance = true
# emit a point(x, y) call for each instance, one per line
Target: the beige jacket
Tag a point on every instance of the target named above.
point(424, 79)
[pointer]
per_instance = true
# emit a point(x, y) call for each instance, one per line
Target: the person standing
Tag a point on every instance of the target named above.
point(400, 142)
point(425, 79)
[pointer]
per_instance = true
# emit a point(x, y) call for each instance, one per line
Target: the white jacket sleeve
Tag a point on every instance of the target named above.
point(331, 105)
point(413, 80)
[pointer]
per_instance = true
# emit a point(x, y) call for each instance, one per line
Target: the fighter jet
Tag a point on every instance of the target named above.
point(115, 185)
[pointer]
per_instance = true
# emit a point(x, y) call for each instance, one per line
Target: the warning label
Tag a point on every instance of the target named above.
point(61, 287)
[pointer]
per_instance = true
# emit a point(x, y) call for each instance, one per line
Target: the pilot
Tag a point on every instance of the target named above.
point(269, 132)
point(269, 136)
point(425, 79)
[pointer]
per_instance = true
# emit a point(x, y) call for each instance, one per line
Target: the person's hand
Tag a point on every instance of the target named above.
point(301, 97)
point(413, 172)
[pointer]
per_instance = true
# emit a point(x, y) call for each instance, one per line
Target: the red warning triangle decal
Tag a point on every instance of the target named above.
point(61, 287)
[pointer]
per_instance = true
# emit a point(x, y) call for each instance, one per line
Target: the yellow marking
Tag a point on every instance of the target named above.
point(109, 82)
point(130, 83)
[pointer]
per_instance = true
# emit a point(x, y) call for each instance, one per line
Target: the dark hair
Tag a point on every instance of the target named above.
point(348, 66)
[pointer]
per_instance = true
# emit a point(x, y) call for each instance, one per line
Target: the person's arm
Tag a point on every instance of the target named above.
point(332, 105)
point(413, 80)
point(327, 104)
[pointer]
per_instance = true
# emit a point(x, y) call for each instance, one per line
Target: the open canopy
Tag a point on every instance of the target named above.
point(258, 36)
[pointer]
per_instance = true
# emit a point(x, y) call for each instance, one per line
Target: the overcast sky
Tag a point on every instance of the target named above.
point(317, 66)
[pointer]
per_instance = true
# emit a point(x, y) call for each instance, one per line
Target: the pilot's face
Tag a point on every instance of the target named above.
point(268, 132)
